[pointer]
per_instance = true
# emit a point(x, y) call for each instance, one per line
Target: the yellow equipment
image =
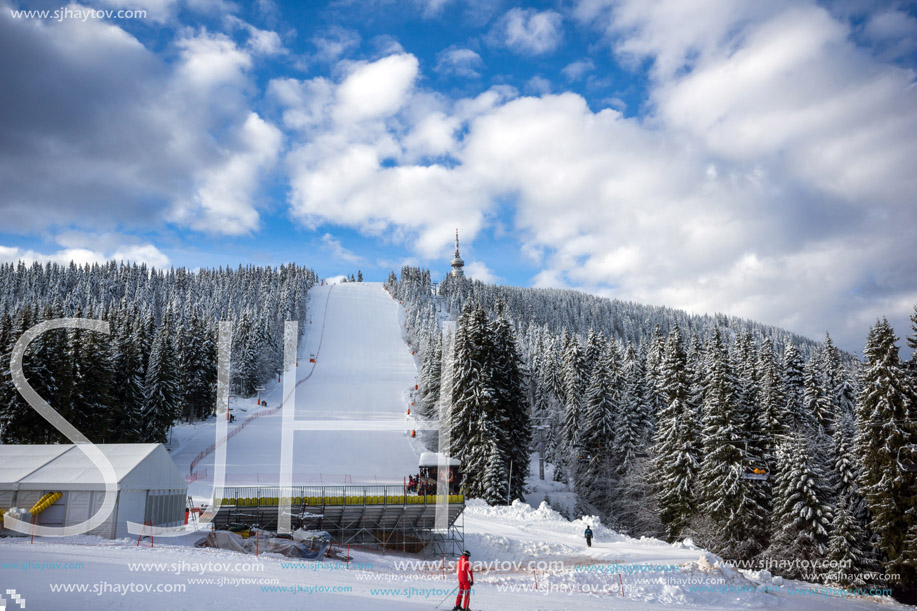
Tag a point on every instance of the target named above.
point(45, 502)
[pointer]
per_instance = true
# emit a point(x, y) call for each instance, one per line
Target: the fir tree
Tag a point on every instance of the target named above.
point(884, 406)
point(846, 548)
point(160, 405)
point(676, 446)
point(802, 516)
point(721, 488)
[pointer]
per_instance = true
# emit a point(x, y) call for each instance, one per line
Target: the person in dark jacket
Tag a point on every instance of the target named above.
point(588, 534)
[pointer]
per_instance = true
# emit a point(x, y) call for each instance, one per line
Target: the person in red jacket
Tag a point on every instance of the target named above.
point(466, 580)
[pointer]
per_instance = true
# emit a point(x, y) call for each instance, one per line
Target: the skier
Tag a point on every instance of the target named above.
point(588, 534)
point(466, 580)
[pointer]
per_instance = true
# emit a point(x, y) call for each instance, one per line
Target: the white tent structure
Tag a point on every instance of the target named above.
point(150, 486)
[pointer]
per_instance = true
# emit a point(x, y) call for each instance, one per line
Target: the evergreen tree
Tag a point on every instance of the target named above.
point(512, 408)
point(93, 411)
point(798, 418)
point(801, 514)
point(847, 548)
point(574, 371)
point(884, 407)
point(160, 405)
point(676, 446)
point(495, 478)
point(128, 371)
point(721, 488)
point(633, 418)
point(597, 436)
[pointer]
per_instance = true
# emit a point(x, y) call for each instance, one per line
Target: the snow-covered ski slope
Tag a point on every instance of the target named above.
point(362, 377)
point(525, 558)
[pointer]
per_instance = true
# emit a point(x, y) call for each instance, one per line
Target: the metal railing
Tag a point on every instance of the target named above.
point(270, 496)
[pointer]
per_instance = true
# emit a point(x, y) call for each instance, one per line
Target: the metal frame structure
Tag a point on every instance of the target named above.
point(384, 516)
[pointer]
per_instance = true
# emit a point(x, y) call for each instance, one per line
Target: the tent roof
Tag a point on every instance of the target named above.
point(18, 461)
point(67, 467)
point(432, 459)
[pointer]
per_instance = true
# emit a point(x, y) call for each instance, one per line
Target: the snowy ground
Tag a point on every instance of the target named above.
point(525, 558)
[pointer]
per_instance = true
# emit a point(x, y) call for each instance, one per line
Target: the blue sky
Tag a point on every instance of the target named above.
point(714, 155)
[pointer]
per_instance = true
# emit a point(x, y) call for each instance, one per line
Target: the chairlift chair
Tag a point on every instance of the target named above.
point(755, 469)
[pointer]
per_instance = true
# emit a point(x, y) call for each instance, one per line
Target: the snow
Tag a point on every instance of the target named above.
point(362, 378)
point(364, 372)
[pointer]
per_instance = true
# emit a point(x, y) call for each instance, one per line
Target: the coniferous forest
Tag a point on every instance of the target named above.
point(656, 417)
point(653, 416)
point(159, 363)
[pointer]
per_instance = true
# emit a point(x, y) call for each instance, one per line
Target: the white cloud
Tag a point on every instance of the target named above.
point(576, 70)
point(260, 42)
point(530, 32)
point(376, 89)
point(223, 203)
point(337, 250)
point(459, 61)
point(210, 62)
point(139, 253)
point(334, 42)
point(478, 270)
point(538, 85)
point(157, 10)
point(153, 142)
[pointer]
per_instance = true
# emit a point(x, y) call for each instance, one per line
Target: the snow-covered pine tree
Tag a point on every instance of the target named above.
point(513, 413)
point(129, 377)
point(632, 422)
point(431, 372)
point(495, 476)
point(595, 349)
point(883, 411)
point(160, 389)
point(848, 548)
point(597, 434)
point(93, 410)
point(721, 490)
point(574, 382)
point(198, 369)
point(654, 354)
point(799, 418)
point(676, 444)
point(802, 516)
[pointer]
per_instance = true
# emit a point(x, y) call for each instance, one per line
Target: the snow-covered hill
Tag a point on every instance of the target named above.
point(526, 558)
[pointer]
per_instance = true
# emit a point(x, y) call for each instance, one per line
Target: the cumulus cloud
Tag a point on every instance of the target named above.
point(260, 42)
point(139, 139)
point(530, 32)
point(376, 89)
point(478, 270)
point(337, 250)
point(139, 253)
point(664, 210)
point(459, 61)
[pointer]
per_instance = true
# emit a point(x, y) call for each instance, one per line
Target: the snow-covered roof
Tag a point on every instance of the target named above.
point(18, 461)
point(66, 467)
point(432, 459)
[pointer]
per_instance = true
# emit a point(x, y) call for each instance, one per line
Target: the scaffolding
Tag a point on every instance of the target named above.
point(379, 516)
